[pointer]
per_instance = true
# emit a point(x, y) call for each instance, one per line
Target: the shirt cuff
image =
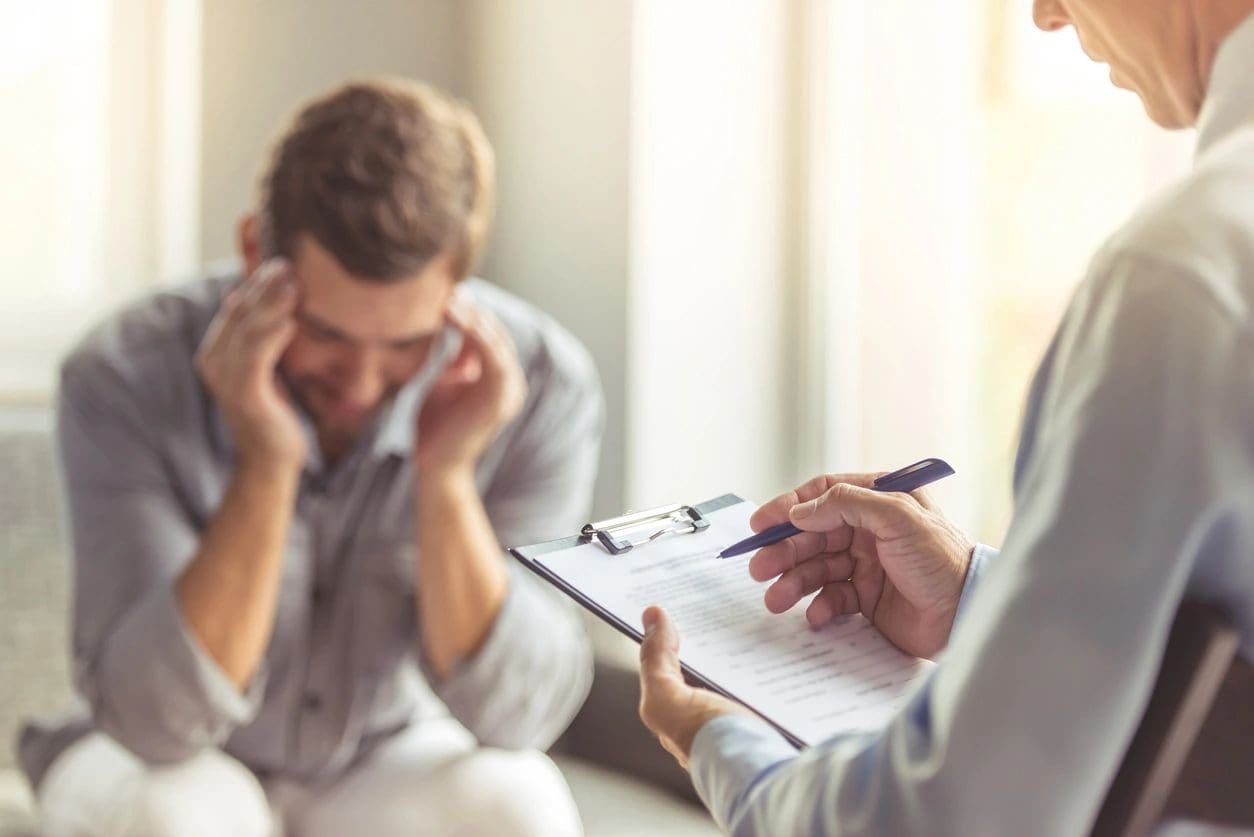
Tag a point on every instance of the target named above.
point(982, 557)
point(463, 686)
point(527, 680)
point(161, 693)
point(730, 754)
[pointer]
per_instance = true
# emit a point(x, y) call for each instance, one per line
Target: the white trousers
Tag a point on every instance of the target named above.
point(431, 780)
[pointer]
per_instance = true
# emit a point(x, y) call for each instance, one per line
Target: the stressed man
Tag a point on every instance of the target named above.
point(1134, 490)
point(288, 493)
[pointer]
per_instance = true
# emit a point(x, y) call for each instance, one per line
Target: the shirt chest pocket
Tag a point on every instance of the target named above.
point(292, 613)
point(386, 617)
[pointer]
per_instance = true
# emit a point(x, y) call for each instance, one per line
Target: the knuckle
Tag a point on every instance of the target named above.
point(904, 504)
point(840, 492)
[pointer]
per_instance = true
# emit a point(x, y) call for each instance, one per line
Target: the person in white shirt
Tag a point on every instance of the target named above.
point(1134, 490)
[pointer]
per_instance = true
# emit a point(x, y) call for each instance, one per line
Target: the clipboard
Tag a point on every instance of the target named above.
point(621, 538)
point(613, 535)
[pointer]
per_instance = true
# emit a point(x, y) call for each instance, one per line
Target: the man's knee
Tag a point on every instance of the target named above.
point(517, 793)
point(210, 795)
point(98, 789)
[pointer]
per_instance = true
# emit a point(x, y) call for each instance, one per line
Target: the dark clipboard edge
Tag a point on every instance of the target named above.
point(527, 555)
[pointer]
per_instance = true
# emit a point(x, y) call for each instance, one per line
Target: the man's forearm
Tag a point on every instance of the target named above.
point(461, 581)
point(229, 592)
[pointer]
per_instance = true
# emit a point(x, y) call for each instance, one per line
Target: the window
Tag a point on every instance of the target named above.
point(964, 167)
point(99, 168)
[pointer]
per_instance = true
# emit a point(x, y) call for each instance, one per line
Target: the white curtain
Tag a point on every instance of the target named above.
point(963, 168)
point(99, 168)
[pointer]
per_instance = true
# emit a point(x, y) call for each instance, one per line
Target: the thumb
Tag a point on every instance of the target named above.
point(659, 652)
point(884, 514)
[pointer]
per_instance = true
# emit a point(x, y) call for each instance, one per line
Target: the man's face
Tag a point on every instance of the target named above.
point(358, 341)
point(1150, 46)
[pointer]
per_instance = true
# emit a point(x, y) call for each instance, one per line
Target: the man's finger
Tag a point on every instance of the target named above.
point(495, 343)
point(925, 499)
point(275, 304)
point(659, 652)
point(465, 368)
point(834, 600)
point(777, 559)
point(886, 515)
point(775, 511)
point(271, 347)
point(261, 280)
point(807, 577)
point(257, 306)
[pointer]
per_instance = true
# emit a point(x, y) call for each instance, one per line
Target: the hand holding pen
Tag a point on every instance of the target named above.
point(910, 478)
point(866, 548)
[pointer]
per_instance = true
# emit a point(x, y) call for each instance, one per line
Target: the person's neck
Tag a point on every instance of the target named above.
point(334, 444)
point(1214, 21)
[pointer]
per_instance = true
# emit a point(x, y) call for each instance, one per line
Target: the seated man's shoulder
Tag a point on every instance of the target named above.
point(547, 350)
point(1194, 241)
point(149, 342)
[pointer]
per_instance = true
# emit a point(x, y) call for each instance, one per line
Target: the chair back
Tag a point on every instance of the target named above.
point(1192, 756)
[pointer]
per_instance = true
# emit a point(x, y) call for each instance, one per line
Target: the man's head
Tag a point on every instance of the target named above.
point(379, 194)
point(1161, 49)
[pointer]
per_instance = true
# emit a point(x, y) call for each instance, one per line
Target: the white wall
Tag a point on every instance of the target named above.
point(893, 315)
point(712, 384)
point(263, 59)
point(550, 80)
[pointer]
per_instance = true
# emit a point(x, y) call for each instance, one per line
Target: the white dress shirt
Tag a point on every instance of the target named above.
point(1134, 488)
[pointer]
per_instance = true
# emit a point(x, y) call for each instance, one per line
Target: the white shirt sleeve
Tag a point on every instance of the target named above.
point(1130, 458)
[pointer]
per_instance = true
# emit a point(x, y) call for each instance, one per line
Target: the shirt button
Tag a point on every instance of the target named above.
point(312, 701)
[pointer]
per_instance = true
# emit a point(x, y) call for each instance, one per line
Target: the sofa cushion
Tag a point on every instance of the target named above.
point(614, 805)
point(34, 577)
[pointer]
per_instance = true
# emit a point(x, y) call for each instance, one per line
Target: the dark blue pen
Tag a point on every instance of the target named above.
point(907, 479)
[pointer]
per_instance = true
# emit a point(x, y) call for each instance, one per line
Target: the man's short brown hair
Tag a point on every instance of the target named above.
point(386, 175)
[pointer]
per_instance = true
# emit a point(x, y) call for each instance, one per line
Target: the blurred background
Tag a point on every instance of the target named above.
point(797, 235)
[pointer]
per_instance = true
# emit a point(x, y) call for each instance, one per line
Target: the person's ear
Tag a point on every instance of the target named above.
point(248, 242)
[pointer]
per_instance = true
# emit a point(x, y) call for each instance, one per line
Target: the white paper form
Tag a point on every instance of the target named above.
point(812, 683)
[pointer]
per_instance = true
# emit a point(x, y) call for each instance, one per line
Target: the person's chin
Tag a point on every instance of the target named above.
point(1157, 107)
point(1167, 118)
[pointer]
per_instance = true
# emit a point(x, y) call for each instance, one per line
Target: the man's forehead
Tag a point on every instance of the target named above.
point(369, 309)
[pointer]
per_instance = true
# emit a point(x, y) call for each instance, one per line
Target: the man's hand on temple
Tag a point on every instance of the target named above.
point(892, 557)
point(237, 361)
point(480, 392)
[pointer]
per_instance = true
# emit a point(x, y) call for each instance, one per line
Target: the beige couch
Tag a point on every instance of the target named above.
point(623, 782)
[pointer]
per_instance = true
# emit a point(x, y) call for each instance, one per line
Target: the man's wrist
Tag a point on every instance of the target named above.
point(444, 479)
point(268, 468)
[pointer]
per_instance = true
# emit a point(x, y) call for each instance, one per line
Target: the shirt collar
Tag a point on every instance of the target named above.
point(1229, 104)
point(397, 430)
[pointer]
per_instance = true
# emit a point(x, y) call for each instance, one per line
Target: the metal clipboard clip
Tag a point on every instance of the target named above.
point(615, 534)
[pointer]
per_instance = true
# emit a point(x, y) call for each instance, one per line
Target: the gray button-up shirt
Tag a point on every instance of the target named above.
point(147, 460)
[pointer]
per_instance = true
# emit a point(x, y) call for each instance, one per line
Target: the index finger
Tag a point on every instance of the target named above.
point(775, 511)
point(483, 330)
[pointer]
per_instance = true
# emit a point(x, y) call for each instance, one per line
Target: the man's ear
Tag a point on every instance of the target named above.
point(248, 241)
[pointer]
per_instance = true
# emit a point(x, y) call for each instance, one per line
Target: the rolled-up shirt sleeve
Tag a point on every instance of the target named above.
point(527, 681)
point(149, 683)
